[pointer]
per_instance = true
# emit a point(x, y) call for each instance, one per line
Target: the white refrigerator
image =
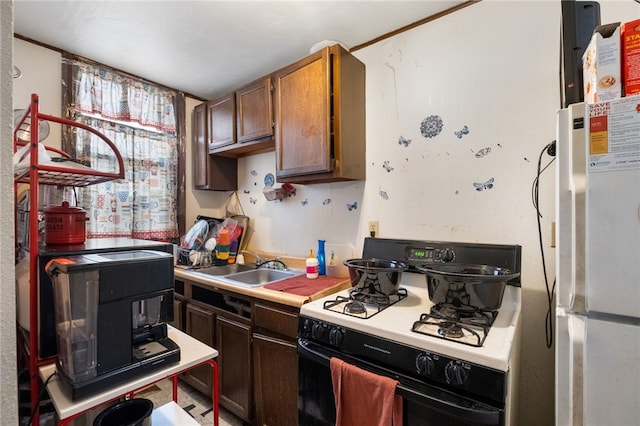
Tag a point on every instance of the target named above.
point(597, 348)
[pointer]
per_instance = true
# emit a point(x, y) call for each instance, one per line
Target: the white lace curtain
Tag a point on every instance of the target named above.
point(144, 203)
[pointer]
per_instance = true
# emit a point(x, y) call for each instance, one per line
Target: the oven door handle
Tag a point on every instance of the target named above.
point(454, 405)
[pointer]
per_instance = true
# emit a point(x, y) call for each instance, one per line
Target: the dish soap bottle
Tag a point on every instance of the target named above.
point(322, 270)
point(312, 266)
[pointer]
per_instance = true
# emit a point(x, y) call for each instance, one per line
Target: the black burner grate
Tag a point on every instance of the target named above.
point(466, 326)
point(361, 304)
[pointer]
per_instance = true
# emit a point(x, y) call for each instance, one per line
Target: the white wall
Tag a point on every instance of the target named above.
point(42, 75)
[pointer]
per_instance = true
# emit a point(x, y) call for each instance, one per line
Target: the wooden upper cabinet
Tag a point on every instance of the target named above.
point(250, 130)
point(320, 118)
point(222, 121)
point(200, 146)
point(210, 171)
point(255, 111)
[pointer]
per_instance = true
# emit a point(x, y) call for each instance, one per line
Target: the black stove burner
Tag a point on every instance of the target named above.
point(364, 305)
point(464, 325)
point(355, 307)
point(465, 315)
point(451, 330)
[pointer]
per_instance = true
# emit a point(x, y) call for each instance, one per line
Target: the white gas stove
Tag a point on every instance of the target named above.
point(473, 366)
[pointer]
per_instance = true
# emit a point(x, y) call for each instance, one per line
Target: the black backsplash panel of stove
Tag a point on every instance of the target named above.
point(499, 255)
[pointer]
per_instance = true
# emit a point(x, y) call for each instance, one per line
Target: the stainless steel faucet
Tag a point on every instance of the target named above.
point(258, 259)
point(273, 264)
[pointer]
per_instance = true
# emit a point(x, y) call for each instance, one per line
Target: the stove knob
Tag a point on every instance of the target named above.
point(455, 374)
point(335, 337)
point(424, 365)
point(317, 331)
point(448, 255)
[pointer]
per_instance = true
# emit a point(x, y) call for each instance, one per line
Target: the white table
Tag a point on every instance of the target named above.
point(192, 354)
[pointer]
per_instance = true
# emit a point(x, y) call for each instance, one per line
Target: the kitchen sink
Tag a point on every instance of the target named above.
point(257, 277)
point(227, 269)
point(247, 275)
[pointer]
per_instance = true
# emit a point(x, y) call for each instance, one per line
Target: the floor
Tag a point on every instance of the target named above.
point(192, 401)
point(196, 404)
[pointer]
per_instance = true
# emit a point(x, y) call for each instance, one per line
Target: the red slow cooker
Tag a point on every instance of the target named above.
point(64, 225)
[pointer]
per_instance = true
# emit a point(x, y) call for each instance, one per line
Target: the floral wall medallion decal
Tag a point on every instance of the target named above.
point(431, 126)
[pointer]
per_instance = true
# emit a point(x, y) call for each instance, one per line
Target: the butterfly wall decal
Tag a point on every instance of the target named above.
point(462, 132)
point(353, 206)
point(404, 142)
point(482, 186)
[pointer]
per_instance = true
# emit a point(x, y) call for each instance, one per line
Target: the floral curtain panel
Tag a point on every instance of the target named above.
point(144, 204)
point(115, 97)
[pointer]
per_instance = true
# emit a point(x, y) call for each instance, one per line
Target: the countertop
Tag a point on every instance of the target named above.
point(276, 296)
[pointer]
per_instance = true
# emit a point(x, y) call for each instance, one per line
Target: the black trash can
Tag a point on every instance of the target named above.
point(132, 412)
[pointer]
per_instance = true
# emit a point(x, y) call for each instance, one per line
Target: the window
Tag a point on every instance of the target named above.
point(140, 119)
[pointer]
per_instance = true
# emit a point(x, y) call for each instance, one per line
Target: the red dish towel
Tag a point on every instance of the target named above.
point(364, 398)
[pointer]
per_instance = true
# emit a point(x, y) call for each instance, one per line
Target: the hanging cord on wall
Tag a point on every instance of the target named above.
point(550, 149)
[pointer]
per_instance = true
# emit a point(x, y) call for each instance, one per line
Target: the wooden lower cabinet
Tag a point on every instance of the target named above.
point(275, 369)
point(199, 324)
point(257, 360)
point(233, 341)
point(275, 363)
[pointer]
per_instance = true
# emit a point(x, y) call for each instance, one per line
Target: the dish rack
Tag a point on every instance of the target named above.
point(192, 254)
point(47, 174)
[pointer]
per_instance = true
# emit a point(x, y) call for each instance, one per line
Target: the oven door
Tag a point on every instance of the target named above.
point(423, 404)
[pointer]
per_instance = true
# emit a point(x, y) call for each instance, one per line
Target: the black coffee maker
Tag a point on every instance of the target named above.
point(111, 313)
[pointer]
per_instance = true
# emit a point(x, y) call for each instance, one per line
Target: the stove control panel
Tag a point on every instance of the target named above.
point(422, 255)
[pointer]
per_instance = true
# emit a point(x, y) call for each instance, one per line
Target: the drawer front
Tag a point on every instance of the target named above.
point(279, 321)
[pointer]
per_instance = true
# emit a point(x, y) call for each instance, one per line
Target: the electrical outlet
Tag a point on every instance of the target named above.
point(374, 228)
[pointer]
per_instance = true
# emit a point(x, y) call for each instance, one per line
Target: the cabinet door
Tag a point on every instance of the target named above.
point(303, 110)
point(254, 106)
point(222, 121)
point(200, 147)
point(233, 341)
point(210, 171)
point(276, 381)
point(200, 326)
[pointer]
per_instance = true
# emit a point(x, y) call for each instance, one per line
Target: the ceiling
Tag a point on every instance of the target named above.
point(208, 48)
